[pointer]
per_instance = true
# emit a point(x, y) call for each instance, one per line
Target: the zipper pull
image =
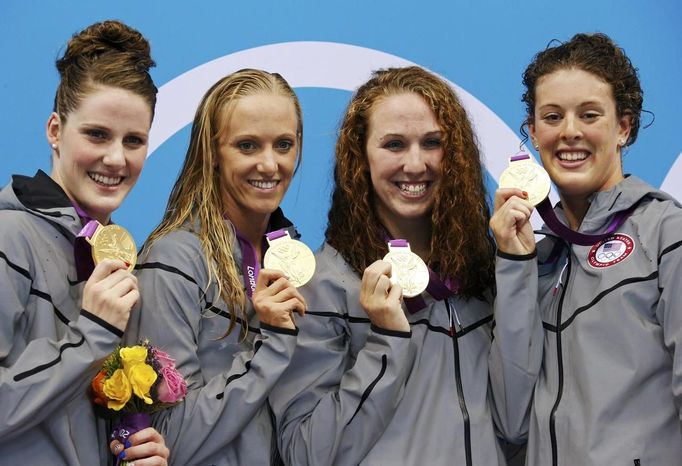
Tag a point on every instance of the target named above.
point(559, 282)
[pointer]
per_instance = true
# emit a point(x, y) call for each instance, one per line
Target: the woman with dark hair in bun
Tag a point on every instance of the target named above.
point(588, 320)
point(59, 321)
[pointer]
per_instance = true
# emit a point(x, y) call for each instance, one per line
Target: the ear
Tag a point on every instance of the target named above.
point(624, 127)
point(53, 129)
point(531, 130)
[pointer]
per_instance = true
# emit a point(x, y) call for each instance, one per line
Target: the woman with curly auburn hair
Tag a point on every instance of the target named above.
point(588, 320)
point(205, 298)
point(378, 377)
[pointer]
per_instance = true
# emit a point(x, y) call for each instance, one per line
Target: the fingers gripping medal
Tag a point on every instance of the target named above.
point(290, 256)
point(407, 268)
point(110, 242)
point(523, 173)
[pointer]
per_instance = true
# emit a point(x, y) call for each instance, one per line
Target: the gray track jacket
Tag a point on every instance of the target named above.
point(224, 419)
point(587, 339)
point(357, 394)
point(49, 348)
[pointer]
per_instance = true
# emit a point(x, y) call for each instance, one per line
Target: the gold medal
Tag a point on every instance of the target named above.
point(290, 256)
point(523, 173)
point(113, 242)
point(407, 268)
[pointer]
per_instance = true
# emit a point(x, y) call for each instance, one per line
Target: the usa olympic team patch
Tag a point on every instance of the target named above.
point(610, 251)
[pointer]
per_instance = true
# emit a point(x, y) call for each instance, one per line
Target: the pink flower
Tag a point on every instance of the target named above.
point(172, 387)
point(164, 358)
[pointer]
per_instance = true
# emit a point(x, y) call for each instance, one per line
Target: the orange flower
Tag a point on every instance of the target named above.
point(98, 388)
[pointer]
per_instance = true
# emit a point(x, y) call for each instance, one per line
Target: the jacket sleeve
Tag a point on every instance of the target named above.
point(669, 307)
point(214, 411)
point(517, 347)
point(39, 375)
point(332, 406)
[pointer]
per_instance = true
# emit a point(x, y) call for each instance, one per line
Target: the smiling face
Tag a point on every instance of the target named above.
point(257, 156)
point(405, 153)
point(100, 149)
point(578, 132)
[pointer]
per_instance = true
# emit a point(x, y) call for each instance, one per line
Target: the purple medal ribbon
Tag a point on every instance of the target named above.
point(439, 289)
point(82, 251)
point(250, 264)
point(130, 424)
point(250, 261)
point(582, 239)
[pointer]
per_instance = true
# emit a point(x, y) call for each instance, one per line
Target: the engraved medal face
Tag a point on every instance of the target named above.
point(528, 176)
point(114, 242)
point(293, 258)
point(409, 270)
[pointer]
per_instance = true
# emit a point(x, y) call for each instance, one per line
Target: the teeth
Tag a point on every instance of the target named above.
point(412, 188)
point(108, 180)
point(572, 156)
point(263, 184)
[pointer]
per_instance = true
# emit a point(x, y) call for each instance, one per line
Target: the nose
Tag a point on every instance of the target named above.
point(414, 161)
point(571, 128)
point(115, 156)
point(267, 164)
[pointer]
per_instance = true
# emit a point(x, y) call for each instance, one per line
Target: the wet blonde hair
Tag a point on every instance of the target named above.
point(196, 198)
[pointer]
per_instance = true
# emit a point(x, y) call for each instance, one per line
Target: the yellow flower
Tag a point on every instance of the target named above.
point(142, 377)
point(118, 390)
point(133, 355)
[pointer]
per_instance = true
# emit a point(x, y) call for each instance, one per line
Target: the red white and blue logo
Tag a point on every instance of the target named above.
point(610, 251)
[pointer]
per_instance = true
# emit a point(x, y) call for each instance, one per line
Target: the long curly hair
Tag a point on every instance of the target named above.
point(461, 245)
point(196, 198)
point(596, 54)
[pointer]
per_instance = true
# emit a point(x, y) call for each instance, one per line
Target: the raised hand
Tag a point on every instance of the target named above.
point(381, 299)
point(275, 299)
point(111, 292)
point(510, 222)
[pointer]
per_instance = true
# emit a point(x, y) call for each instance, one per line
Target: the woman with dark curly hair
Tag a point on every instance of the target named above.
point(379, 378)
point(589, 323)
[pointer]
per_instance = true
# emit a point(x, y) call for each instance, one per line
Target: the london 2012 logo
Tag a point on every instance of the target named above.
point(610, 251)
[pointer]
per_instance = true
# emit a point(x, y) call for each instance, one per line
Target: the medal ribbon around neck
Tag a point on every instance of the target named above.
point(544, 205)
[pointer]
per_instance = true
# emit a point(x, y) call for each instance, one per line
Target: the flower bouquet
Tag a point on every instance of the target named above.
point(137, 381)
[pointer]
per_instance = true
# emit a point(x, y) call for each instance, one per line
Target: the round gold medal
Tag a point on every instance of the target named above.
point(408, 270)
point(528, 176)
point(292, 257)
point(113, 242)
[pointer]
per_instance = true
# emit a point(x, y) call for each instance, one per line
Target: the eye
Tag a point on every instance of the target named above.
point(551, 117)
point(246, 146)
point(590, 115)
point(284, 145)
point(96, 134)
point(133, 141)
point(394, 145)
point(432, 143)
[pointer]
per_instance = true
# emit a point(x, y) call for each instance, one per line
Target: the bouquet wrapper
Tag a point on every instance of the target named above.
point(130, 424)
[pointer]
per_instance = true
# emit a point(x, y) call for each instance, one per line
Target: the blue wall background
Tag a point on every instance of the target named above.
point(482, 47)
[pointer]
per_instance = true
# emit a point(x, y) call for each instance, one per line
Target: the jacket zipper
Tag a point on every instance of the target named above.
point(455, 328)
point(560, 362)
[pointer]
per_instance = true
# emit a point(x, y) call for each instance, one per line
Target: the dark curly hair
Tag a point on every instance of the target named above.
point(460, 245)
point(596, 54)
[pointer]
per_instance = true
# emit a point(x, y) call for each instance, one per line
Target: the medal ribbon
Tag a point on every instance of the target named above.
point(82, 251)
point(571, 236)
point(437, 288)
point(250, 264)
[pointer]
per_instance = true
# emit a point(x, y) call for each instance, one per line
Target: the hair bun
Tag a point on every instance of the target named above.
point(107, 37)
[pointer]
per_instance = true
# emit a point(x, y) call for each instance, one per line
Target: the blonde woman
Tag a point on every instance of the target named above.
point(205, 298)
